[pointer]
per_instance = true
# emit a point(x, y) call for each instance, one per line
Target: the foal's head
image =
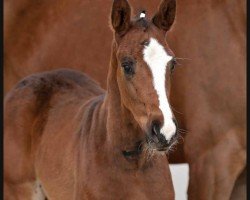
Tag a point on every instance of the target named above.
point(145, 63)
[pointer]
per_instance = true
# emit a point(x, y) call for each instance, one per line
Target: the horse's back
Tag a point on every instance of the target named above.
point(35, 95)
point(26, 111)
point(57, 80)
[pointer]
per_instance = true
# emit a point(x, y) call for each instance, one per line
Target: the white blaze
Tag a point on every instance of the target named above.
point(157, 58)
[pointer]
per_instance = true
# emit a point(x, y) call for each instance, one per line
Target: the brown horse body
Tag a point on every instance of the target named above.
point(65, 138)
point(209, 88)
point(210, 92)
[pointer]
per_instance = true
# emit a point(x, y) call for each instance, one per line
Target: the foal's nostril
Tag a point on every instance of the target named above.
point(156, 126)
point(160, 137)
point(155, 132)
point(155, 129)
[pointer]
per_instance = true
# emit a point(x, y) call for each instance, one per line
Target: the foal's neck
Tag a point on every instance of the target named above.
point(122, 129)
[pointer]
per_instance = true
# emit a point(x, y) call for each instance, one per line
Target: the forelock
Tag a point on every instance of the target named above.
point(141, 20)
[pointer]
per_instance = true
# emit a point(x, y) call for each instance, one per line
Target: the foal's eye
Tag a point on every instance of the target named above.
point(172, 65)
point(128, 67)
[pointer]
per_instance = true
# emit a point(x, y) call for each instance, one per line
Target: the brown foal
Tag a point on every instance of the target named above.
point(66, 138)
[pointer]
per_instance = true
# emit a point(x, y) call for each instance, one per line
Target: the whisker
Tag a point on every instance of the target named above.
point(173, 147)
point(175, 109)
point(182, 130)
point(178, 58)
point(180, 139)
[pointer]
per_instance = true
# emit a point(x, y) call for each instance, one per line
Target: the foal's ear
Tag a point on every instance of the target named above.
point(120, 16)
point(165, 16)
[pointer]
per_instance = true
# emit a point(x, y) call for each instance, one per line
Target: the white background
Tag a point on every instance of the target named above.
point(180, 180)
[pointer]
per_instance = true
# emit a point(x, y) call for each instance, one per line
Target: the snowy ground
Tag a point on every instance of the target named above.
point(180, 180)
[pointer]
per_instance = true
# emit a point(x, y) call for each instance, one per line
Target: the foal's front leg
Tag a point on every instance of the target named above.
point(213, 172)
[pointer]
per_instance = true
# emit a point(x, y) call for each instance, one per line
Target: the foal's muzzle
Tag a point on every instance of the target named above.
point(158, 140)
